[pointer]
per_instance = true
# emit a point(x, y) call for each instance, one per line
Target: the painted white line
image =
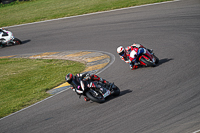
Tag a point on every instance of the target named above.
point(94, 13)
point(112, 61)
point(197, 131)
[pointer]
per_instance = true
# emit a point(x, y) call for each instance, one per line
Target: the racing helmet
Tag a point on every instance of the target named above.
point(121, 51)
point(69, 77)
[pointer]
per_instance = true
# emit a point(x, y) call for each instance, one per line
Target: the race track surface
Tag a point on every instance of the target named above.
point(163, 99)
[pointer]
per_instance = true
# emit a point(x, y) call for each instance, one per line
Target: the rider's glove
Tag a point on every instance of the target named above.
point(87, 75)
point(79, 75)
point(128, 61)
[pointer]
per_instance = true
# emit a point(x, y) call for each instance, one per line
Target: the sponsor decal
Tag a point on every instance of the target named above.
point(106, 94)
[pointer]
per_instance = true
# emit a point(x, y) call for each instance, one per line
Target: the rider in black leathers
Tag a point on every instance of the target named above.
point(75, 81)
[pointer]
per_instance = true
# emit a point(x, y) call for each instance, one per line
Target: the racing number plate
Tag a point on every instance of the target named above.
point(106, 94)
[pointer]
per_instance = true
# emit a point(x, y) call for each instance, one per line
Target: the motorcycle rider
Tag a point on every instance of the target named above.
point(76, 81)
point(4, 32)
point(130, 54)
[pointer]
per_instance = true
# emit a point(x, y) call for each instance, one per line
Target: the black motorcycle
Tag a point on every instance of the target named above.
point(97, 91)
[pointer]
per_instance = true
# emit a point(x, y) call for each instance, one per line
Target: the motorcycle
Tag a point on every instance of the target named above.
point(97, 92)
point(148, 59)
point(7, 38)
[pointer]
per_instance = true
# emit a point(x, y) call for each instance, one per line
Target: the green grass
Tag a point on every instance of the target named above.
point(25, 81)
point(39, 10)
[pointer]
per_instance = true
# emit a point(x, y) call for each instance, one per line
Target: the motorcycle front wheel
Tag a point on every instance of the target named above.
point(147, 61)
point(95, 96)
point(116, 91)
point(157, 60)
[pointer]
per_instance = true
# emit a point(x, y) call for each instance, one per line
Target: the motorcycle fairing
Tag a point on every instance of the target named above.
point(106, 94)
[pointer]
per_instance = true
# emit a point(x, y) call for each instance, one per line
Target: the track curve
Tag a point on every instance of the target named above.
point(153, 100)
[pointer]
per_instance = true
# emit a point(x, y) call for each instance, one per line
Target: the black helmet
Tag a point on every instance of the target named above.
point(69, 77)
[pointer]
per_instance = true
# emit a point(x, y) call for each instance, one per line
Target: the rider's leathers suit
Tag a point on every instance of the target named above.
point(130, 58)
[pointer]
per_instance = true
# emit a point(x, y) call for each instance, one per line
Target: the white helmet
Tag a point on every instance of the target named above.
point(120, 50)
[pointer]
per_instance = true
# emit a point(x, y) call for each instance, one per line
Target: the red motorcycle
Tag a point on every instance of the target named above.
point(147, 59)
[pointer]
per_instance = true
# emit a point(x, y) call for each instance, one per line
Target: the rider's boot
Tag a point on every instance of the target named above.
point(133, 67)
point(86, 99)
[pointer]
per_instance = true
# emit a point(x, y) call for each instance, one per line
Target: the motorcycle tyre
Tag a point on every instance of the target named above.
point(94, 99)
point(148, 63)
point(17, 41)
point(116, 91)
point(2, 45)
point(157, 60)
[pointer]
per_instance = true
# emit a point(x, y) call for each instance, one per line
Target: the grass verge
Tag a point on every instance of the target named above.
point(39, 10)
point(25, 81)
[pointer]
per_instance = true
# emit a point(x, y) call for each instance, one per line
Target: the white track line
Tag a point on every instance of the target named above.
point(198, 131)
point(105, 52)
point(93, 13)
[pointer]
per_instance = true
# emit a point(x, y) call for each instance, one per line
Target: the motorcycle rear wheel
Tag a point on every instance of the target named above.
point(17, 41)
point(95, 98)
point(147, 62)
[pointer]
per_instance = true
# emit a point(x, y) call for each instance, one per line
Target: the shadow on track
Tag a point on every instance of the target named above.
point(163, 61)
point(25, 41)
point(124, 92)
point(113, 97)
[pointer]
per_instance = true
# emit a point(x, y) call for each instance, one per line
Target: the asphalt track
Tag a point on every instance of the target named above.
point(163, 99)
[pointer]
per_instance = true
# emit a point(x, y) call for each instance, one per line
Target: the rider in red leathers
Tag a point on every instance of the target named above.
point(75, 81)
point(131, 53)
